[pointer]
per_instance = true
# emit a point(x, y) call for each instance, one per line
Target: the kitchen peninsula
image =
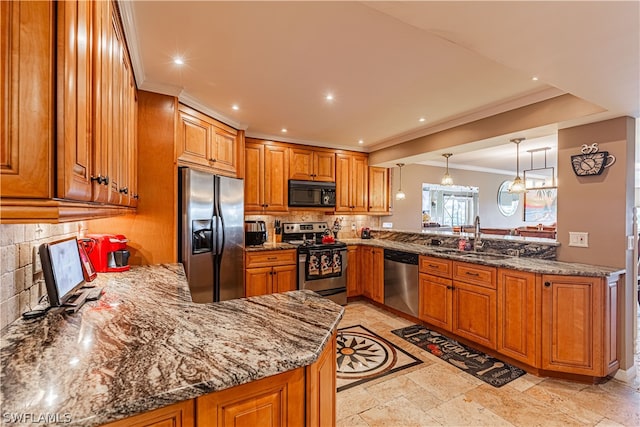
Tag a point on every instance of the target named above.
point(144, 345)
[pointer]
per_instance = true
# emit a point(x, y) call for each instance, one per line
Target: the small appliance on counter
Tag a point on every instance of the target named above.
point(255, 233)
point(366, 233)
point(107, 252)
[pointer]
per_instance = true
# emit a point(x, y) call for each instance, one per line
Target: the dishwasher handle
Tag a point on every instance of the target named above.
point(401, 256)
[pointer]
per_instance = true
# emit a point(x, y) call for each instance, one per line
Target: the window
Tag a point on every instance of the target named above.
point(453, 205)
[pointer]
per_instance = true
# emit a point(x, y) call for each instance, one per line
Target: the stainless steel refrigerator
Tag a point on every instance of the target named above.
point(211, 238)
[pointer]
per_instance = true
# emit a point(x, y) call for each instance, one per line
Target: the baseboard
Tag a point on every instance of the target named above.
point(626, 376)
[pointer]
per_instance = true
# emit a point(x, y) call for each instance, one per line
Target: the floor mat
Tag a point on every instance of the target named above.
point(364, 356)
point(480, 365)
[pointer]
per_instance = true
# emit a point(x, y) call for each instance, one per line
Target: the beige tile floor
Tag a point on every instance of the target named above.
point(438, 394)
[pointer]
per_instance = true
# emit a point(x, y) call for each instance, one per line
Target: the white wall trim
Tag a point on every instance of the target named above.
point(628, 375)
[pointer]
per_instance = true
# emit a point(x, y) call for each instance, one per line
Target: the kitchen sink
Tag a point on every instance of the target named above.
point(483, 255)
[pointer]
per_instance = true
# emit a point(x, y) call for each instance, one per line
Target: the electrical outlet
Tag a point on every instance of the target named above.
point(579, 239)
point(353, 226)
point(37, 265)
point(387, 225)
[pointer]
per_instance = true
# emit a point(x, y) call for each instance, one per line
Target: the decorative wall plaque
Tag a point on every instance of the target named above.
point(591, 161)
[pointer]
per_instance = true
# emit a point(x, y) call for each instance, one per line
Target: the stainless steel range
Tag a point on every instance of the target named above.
point(322, 267)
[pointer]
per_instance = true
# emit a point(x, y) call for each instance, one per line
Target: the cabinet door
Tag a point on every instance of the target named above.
point(474, 313)
point(353, 285)
point(321, 388)
point(224, 151)
point(377, 266)
point(194, 138)
point(343, 184)
point(572, 313)
point(276, 401)
point(324, 166)
point(435, 301)
point(284, 278)
point(253, 177)
point(301, 164)
point(359, 182)
point(378, 190)
point(74, 113)
point(258, 281)
point(276, 171)
point(180, 414)
point(516, 315)
point(26, 114)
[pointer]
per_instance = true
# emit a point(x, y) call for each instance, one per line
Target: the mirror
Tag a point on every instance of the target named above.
point(448, 205)
point(507, 202)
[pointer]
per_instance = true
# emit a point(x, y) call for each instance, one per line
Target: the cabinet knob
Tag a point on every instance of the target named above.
point(547, 284)
point(136, 196)
point(212, 160)
point(124, 190)
point(450, 287)
point(100, 179)
point(105, 180)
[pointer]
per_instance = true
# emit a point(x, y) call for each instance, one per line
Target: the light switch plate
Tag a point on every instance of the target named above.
point(387, 225)
point(37, 265)
point(579, 239)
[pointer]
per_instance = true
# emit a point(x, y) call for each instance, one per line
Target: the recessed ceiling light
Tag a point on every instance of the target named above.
point(283, 130)
point(421, 119)
point(235, 107)
point(360, 142)
point(534, 78)
point(329, 97)
point(178, 61)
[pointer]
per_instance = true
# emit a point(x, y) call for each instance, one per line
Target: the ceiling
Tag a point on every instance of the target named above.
point(387, 64)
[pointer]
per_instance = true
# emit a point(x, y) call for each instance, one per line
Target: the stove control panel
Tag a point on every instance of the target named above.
point(304, 227)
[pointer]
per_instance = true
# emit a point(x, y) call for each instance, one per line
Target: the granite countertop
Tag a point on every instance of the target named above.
point(145, 345)
point(528, 264)
point(269, 247)
point(532, 265)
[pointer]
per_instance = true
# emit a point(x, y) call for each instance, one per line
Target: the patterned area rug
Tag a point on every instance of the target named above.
point(482, 366)
point(364, 356)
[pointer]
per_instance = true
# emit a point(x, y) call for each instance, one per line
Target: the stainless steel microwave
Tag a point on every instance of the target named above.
point(312, 194)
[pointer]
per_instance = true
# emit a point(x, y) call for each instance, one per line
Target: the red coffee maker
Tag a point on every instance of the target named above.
point(107, 252)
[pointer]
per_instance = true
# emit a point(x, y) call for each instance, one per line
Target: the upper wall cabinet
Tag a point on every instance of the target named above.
point(27, 109)
point(378, 190)
point(266, 172)
point(351, 183)
point(312, 165)
point(206, 142)
point(67, 71)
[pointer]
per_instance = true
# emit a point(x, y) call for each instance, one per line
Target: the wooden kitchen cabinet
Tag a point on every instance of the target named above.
point(372, 273)
point(321, 388)
point(378, 189)
point(266, 177)
point(517, 317)
point(312, 165)
point(435, 301)
point(270, 271)
point(206, 142)
point(180, 414)
point(354, 288)
point(81, 146)
point(351, 183)
point(579, 325)
point(27, 53)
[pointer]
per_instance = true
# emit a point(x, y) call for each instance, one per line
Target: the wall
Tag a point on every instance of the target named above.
point(600, 205)
point(20, 287)
point(407, 213)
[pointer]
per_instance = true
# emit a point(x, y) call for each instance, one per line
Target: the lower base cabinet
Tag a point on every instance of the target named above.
point(269, 272)
point(305, 396)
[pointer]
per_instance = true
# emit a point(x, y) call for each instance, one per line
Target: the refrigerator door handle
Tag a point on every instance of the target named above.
point(221, 243)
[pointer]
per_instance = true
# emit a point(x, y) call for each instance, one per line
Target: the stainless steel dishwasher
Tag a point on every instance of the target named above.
point(401, 281)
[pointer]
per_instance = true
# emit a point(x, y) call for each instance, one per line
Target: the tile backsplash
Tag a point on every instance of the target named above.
point(21, 282)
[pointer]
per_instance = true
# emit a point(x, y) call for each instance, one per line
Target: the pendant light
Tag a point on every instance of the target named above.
point(517, 186)
point(446, 179)
point(400, 194)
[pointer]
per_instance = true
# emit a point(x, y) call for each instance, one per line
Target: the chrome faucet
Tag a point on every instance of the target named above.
point(477, 241)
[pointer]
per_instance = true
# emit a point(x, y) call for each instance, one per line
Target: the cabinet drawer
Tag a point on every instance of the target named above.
point(270, 258)
point(475, 274)
point(436, 266)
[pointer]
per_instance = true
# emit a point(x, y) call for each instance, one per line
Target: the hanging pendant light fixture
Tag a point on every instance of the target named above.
point(517, 186)
point(400, 194)
point(446, 178)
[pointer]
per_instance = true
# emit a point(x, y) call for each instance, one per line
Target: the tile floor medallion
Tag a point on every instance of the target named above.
point(474, 362)
point(362, 356)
